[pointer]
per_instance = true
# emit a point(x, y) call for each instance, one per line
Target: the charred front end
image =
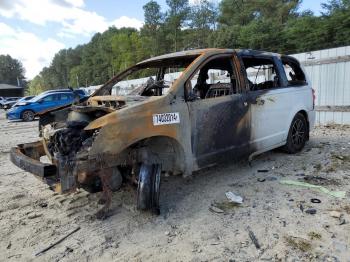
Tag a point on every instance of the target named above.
point(61, 158)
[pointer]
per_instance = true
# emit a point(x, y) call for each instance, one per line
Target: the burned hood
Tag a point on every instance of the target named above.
point(115, 102)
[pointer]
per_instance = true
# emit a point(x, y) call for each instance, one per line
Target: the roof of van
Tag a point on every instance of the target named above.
point(197, 52)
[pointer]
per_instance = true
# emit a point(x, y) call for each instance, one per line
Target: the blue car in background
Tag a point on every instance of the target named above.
point(27, 110)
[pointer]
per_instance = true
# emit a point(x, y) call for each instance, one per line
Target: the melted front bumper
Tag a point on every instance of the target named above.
point(27, 157)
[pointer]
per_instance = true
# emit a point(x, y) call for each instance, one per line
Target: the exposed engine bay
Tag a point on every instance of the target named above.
point(67, 145)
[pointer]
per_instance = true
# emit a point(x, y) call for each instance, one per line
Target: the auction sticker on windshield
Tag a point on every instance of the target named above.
point(166, 119)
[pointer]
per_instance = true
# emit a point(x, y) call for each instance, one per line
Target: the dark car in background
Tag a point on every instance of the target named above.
point(2, 101)
point(28, 110)
point(8, 104)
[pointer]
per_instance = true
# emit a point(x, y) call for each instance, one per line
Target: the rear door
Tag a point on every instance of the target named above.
point(65, 99)
point(269, 101)
point(218, 112)
point(49, 101)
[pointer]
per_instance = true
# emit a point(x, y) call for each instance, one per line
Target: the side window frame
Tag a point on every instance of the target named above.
point(50, 95)
point(282, 79)
point(237, 74)
point(63, 94)
point(292, 60)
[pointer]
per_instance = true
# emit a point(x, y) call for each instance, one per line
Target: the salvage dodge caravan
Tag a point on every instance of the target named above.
point(181, 112)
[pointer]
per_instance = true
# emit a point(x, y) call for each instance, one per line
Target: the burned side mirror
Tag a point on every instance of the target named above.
point(189, 94)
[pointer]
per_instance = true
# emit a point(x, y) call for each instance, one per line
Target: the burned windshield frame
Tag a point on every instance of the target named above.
point(162, 65)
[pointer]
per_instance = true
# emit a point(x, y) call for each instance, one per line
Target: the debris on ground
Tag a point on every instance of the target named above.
point(315, 201)
point(314, 235)
point(32, 216)
point(338, 194)
point(57, 242)
point(342, 220)
point(232, 197)
point(263, 170)
point(311, 211)
point(335, 214)
point(298, 243)
point(321, 181)
point(215, 209)
point(253, 238)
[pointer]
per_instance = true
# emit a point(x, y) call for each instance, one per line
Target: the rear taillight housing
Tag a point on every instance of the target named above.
point(313, 98)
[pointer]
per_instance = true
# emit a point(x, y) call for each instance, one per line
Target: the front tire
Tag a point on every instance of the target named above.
point(297, 135)
point(28, 115)
point(148, 188)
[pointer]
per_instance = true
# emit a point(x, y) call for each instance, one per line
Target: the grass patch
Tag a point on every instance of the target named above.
point(347, 209)
point(318, 167)
point(226, 205)
point(339, 162)
point(298, 243)
point(314, 235)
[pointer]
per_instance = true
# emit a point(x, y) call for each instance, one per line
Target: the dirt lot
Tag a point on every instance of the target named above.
point(32, 216)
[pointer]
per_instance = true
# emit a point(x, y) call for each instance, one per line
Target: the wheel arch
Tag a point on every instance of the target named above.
point(24, 110)
point(304, 113)
point(158, 149)
point(291, 117)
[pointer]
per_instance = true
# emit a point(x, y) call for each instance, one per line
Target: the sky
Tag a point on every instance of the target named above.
point(32, 31)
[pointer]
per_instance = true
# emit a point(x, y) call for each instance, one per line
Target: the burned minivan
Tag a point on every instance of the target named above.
point(179, 113)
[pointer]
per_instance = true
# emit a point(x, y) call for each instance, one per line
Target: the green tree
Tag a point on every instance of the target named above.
point(337, 22)
point(255, 24)
point(152, 33)
point(203, 20)
point(11, 71)
point(176, 17)
point(36, 86)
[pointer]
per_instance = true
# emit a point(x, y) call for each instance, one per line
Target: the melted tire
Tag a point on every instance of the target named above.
point(116, 180)
point(115, 183)
point(297, 135)
point(148, 188)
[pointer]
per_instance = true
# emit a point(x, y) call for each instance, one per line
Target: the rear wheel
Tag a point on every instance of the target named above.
point(28, 115)
point(148, 188)
point(297, 135)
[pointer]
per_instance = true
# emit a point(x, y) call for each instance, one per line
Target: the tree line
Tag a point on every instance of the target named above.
point(273, 25)
point(11, 71)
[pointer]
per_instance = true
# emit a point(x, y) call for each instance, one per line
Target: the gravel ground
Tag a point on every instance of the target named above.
point(188, 229)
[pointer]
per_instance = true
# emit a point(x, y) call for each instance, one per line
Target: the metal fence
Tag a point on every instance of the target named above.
point(329, 72)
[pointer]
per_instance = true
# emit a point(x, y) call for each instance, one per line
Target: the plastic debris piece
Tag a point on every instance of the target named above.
point(335, 214)
point(338, 194)
point(263, 170)
point(216, 209)
point(310, 211)
point(253, 238)
point(234, 198)
point(315, 200)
